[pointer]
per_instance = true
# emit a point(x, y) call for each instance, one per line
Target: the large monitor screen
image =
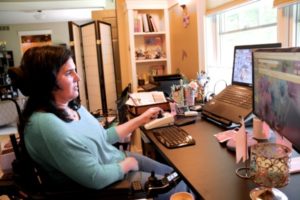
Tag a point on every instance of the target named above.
point(242, 62)
point(277, 91)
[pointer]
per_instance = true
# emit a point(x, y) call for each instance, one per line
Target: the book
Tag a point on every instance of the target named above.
point(156, 22)
point(135, 20)
point(151, 29)
point(139, 23)
point(145, 22)
point(153, 24)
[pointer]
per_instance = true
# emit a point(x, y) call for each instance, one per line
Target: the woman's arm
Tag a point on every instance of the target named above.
point(124, 129)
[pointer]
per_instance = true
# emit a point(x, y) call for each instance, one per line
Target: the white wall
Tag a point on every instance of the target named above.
point(60, 34)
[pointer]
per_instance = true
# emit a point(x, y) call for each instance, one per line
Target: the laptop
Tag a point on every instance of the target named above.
point(236, 100)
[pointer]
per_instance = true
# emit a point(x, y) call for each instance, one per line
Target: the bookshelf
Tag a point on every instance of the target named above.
point(6, 89)
point(149, 39)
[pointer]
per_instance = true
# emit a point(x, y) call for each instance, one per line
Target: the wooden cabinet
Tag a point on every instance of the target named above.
point(149, 40)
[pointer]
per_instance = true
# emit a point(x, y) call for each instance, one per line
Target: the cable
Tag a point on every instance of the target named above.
point(218, 83)
point(210, 94)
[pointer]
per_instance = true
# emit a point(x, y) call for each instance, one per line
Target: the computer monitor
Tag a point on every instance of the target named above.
point(242, 62)
point(277, 91)
point(164, 82)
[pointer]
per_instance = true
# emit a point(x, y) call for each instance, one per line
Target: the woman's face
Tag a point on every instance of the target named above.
point(67, 81)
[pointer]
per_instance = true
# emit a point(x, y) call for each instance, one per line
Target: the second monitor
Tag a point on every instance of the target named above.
point(164, 82)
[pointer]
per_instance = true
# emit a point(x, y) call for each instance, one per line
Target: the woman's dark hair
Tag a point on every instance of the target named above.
point(36, 78)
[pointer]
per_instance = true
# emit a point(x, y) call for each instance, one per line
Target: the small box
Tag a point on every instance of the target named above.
point(7, 155)
point(6, 160)
point(137, 110)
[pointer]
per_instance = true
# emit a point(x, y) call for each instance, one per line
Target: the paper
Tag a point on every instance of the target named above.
point(295, 165)
point(225, 135)
point(241, 143)
point(283, 141)
point(146, 98)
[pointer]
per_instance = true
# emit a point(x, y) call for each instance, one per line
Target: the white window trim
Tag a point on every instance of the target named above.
point(201, 28)
point(285, 22)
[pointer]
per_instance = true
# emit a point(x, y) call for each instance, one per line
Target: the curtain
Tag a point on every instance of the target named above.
point(282, 3)
point(217, 6)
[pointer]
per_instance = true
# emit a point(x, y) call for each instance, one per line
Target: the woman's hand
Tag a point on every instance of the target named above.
point(129, 164)
point(124, 129)
point(150, 114)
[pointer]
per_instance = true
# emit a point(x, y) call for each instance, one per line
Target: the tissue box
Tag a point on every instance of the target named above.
point(7, 155)
point(141, 101)
point(6, 160)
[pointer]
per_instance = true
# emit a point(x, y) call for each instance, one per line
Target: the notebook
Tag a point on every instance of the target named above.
point(235, 101)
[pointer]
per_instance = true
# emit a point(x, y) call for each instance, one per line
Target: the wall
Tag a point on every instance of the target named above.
point(60, 34)
point(184, 40)
point(123, 43)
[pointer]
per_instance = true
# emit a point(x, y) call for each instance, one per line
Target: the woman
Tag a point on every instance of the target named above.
point(63, 137)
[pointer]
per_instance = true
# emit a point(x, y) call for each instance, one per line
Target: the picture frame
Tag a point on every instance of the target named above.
point(30, 39)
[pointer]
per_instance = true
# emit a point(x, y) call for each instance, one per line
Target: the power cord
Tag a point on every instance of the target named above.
point(219, 81)
point(210, 94)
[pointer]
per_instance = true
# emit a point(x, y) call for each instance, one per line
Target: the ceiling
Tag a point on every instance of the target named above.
point(41, 11)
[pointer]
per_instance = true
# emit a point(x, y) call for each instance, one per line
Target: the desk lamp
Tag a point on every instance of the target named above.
point(269, 168)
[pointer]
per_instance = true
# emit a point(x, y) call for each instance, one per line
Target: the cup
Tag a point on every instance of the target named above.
point(261, 130)
point(182, 196)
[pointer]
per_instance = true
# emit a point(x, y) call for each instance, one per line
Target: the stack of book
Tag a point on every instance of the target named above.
point(144, 22)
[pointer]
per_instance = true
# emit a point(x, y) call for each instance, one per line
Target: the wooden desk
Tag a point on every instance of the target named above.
point(209, 168)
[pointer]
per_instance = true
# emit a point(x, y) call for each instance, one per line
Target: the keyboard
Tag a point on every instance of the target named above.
point(173, 137)
point(241, 98)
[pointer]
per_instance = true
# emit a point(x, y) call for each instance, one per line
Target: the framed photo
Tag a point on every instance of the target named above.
point(30, 39)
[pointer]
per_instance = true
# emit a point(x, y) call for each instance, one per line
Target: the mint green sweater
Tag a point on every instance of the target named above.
point(81, 149)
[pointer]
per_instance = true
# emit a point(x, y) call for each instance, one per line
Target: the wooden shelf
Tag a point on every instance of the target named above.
point(153, 16)
point(149, 33)
point(151, 60)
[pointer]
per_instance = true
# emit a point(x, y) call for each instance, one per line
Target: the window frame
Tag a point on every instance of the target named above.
point(208, 30)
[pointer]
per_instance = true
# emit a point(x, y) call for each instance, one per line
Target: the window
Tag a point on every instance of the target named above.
point(253, 23)
point(297, 19)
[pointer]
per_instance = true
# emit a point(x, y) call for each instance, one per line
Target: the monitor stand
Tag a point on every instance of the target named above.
point(230, 125)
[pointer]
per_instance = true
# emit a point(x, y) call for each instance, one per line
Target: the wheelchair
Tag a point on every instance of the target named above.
point(31, 182)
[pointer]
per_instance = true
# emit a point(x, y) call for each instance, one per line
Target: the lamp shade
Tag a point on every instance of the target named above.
point(269, 168)
point(269, 164)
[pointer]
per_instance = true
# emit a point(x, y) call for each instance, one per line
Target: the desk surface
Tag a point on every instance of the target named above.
point(209, 168)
